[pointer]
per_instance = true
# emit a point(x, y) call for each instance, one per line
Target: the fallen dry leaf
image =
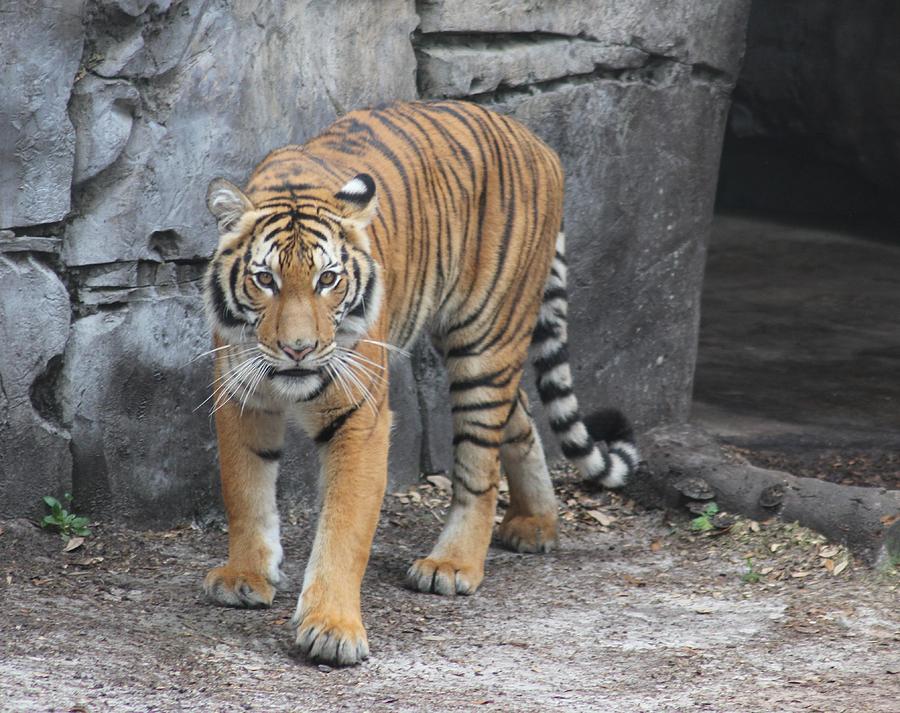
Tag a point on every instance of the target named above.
point(829, 551)
point(829, 564)
point(656, 545)
point(73, 544)
point(838, 568)
point(88, 561)
point(441, 482)
point(601, 517)
point(754, 525)
point(799, 574)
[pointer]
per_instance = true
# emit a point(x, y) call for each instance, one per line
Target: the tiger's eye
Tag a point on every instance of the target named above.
point(265, 279)
point(327, 279)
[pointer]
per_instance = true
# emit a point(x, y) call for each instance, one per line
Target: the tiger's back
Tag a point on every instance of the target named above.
point(470, 204)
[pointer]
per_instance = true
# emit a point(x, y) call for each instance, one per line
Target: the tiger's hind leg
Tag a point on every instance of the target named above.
point(530, 522)
point(481, 398)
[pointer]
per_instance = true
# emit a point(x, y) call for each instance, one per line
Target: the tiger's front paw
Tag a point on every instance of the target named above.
point(329, 637)
point(232, 587)
point(443, 576)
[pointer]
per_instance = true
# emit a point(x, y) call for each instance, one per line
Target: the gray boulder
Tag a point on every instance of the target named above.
point(103, 113)
point(128, 391)
point(222, 87)
point(34, 326)
point(40, 51)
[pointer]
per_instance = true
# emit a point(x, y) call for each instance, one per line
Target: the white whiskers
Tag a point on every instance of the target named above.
point(389, 347)
point(246, 374)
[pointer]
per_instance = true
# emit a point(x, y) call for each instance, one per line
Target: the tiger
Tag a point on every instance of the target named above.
point(438, 218)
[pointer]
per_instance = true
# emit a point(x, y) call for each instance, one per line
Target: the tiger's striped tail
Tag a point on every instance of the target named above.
point(601, 446)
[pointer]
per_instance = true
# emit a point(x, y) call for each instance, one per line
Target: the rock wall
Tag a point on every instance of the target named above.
point(114, 115)
point(815, 127)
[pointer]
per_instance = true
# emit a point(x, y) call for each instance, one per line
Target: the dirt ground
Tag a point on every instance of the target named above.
point(876, 467)
point(799, 350)
point(634, 612)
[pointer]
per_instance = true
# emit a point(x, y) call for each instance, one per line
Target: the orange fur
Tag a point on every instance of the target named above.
point(440, 216)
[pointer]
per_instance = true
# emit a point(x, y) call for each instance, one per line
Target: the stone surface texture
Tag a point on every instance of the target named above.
point(40, 52)
point(34, 326)
point(115, 114)
point(820, 82)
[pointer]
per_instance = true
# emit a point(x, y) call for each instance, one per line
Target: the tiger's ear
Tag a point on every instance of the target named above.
point(227, 203)
point(358, 200)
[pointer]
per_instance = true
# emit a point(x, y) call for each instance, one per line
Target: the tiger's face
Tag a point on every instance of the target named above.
point(293, 282)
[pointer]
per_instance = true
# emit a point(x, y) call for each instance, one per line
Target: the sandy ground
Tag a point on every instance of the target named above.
point(638, 613)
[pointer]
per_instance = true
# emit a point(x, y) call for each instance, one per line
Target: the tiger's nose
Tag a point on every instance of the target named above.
point(297, 354)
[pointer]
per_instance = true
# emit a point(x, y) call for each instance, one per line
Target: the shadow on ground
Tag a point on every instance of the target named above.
point(632, 613)
point(800, 350)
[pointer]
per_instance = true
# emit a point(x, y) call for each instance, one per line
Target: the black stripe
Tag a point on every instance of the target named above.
point(466, 350)
point(625, 457)
point(359, 310)
point(477, 406)
point(554, 293)
point(475, 491)
point(552, 360)
point(474, 440)
point(488, 426)
point(564, 424)
point(266, 221)
point(485, 380)
point(465, 323)
point(270, 455)
point(576, 450)
point(318, 233)
point(521, 438)
point(223, 312)
point(607, 462)
point(286, 186)
point(327, 433)
point(543, 331)
point(552, 392)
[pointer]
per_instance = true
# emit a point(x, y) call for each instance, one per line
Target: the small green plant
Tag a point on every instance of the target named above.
point(751, 576)
point(703, 522)
point(68, 523)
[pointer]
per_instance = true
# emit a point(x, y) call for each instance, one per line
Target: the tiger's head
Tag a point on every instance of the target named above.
point(293, 277)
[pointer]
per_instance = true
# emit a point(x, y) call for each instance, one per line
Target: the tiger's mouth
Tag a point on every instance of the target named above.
point(295, 373)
